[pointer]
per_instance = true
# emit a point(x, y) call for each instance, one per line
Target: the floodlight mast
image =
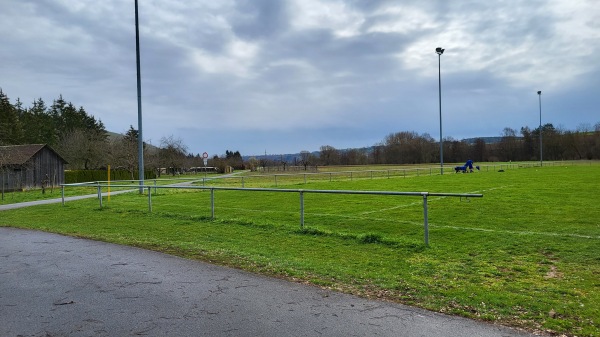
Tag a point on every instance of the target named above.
point(440, 51)
point(541, 152)
point(139, 101)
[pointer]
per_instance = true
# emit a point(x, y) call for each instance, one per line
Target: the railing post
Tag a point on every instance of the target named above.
point(62, 194)
point(154, 186)
point(242, 182)
point(100, 194)
point(329, 176)
point(212, 203)
point(149, 199)
point(275, 180)
point(426, 219)
point(301, 209)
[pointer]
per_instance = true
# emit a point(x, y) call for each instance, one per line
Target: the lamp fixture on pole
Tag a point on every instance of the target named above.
point(440, 51)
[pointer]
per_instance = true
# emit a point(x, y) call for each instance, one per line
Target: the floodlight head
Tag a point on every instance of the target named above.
point(439, 50)
point(539, 92)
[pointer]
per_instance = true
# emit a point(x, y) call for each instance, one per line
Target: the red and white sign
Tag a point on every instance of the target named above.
point(205, 155)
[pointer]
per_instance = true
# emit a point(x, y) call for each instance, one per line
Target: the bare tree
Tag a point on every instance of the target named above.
point(329, 155)
point(509, 145)
point(172, 153)
point(305, 159)
point(478, 150)
point(84, 149)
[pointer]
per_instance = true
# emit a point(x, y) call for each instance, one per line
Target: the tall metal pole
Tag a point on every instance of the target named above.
point(440, 51)
point(540, 99)
point(139, 99)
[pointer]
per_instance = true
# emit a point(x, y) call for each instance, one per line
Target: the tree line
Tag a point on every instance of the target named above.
point(409, 147)
point(83, 141)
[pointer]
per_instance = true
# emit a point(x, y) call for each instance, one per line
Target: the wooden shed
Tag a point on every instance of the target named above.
point(25, 167)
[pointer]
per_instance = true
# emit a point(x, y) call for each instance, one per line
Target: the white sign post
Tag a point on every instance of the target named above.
point(205, 159)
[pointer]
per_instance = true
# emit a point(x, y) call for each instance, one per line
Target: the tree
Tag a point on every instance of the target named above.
point(576, 142)
point(551, 145)
point(527, 147)
point(38, 125)
point(172, 153)
point(353, 157)
point(508, 146)
point(305, 159)
point(458, 151)
point(408, 147)
point(329, 155)
point(125, 151)
point(397, 147)
point(253, 163)
point(84, 149)
point(377, 156)
point(67, 118)
point(478, 150)
point(11, 130)
point(234, 159)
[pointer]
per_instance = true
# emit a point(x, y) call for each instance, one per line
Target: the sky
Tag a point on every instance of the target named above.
point(284, 76)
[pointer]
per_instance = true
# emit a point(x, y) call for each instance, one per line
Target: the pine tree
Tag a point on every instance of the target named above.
point(11, 131)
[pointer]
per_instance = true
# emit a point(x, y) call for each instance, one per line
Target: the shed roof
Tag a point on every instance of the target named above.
point(20, 154)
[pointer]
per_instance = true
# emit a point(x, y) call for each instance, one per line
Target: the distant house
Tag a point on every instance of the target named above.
point(30, 166)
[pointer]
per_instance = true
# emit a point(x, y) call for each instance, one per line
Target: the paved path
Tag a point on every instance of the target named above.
point(89, 196)
point(52, 285)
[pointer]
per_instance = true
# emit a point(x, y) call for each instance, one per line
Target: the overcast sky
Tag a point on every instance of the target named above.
point(283, 76)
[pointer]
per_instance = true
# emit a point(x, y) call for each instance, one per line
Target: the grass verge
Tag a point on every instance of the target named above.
point(525, 255)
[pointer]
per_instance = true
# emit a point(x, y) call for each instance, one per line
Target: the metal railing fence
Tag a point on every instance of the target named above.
point(305, 177)
point(301, 192)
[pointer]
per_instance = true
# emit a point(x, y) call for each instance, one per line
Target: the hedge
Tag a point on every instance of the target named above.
point(80, 176)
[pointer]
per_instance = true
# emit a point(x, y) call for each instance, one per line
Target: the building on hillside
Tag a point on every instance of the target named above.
point(25, 167)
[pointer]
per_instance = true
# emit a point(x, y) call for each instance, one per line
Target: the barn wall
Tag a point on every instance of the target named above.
point(12, 178)
point(45, 164)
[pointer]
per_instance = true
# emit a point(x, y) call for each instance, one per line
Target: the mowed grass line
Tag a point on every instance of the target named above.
point(527, 254)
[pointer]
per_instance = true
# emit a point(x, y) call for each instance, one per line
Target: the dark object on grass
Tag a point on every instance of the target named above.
point(468, 166)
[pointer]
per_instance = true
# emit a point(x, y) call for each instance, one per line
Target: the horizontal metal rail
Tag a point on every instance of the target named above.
point(301, 193)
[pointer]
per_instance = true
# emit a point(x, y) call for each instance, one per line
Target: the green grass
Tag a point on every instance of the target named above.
point(50, 193)
point(527, 254)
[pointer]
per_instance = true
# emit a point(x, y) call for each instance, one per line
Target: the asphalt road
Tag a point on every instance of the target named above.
point(52, 285)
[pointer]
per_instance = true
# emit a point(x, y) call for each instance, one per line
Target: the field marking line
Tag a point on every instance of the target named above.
point(417, 203)
point(420, 224)
point(580, 236)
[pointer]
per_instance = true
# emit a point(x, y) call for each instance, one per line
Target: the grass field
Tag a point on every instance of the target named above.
point(527, 254)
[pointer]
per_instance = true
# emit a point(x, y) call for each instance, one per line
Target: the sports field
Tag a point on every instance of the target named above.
point(527, 254)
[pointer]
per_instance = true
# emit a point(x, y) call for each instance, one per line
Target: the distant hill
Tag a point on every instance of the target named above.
point(487, 140)
point(114, 136)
